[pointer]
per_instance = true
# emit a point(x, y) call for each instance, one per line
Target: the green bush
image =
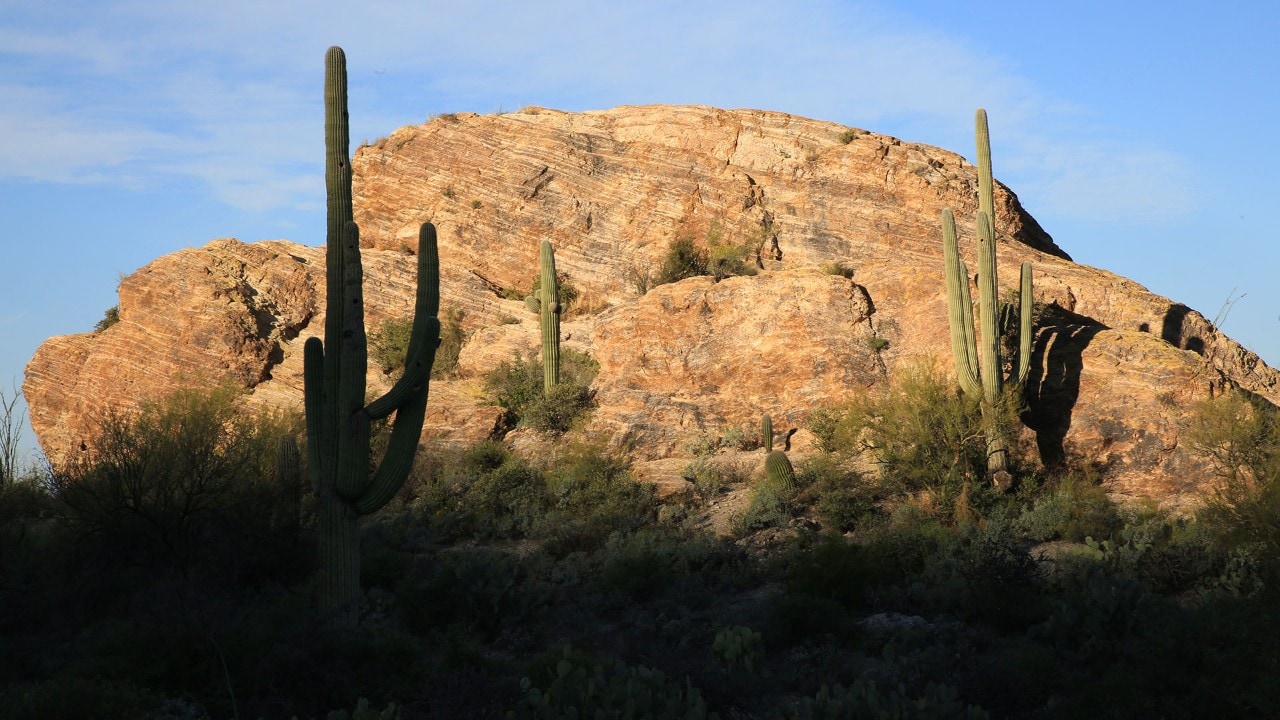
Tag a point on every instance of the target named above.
point(482, 590)
point(1240, 435)
point(923, 434)
point(987, 574)
point(389, 345)
point(518, 386)
point(184, 484)
point(840, 570)
point(110, 317)
point(684, 259)
point(592, 494)
point(770, 507)
point(845, 500)
point(863, 699)
point(726, 259)
point(483, 492)
point(74, 697)
point(1073, 510)
point(718, 258)
point(579, 686)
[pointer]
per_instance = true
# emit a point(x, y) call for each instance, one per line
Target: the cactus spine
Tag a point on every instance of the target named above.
point(979, 365)
point(334, 376)
point(549, 308)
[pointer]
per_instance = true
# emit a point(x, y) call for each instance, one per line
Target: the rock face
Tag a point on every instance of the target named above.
point(1115, 365)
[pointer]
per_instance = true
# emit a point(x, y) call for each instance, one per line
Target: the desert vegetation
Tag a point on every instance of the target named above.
point(199, 559)
point(169, 573)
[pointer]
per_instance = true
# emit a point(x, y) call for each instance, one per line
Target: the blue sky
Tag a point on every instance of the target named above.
point(1141, 135)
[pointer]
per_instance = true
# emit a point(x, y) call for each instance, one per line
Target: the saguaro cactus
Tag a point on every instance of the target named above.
point(979, 365)
point(334, 376)
point(766, 433)
point(549, 307)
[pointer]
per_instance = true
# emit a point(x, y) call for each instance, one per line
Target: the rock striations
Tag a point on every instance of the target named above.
point(1113, 365)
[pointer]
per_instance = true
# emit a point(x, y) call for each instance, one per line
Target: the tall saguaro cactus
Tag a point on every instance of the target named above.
point(549, 308)
point(334, 376)
point(979, 365)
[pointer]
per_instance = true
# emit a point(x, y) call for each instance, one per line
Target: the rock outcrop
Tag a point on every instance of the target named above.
point(1115, 365)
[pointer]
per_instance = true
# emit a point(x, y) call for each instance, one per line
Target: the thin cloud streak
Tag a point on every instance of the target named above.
point(227, 93)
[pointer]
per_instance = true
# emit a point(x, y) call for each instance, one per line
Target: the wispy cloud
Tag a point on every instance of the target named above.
point(226, 93)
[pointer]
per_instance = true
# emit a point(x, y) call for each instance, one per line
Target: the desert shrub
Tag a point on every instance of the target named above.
point(557, 410)
point(684, 569)
point(110, 317)
point(705, 475)
point(864, 699)
point(389, 345)
point(987, 574)
point(68, 697)
point(726, 258)
point(845, 500)
point(770, 507)
point(186, 483)
point(924, 435)
point(1241, 437)
point(836, 267)
point(483, 492)
point(684, 259)
point(518, 386)
point(637, 568)
point(840, 570)
point(591, 494)
point(1073, 510)
point(575, 684)
point(1168, 556)
point(482, 590)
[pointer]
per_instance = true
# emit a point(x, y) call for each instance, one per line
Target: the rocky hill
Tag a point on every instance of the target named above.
point(1114, 365)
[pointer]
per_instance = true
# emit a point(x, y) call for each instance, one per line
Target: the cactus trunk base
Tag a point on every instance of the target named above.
point(338, 577)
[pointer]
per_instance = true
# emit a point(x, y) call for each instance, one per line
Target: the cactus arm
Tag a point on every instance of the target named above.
point(319, 431)
point(550, 309)
point(424, 336)
point(1025, 331)
point(959, 307)
point(409, 397)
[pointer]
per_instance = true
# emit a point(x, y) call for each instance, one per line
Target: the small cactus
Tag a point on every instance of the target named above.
point(766, 433)
point(288, 485)
point(779, 471)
